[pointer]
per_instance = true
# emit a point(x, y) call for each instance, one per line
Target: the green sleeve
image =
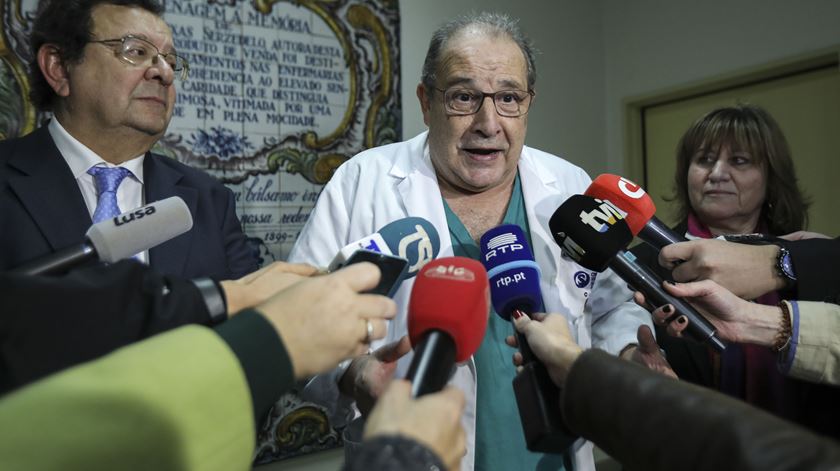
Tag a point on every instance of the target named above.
point(179, 400)
point(262, 356)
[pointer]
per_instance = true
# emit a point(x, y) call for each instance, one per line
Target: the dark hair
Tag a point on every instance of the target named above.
point(750, 129)
point(488, 23)
point(67, 24)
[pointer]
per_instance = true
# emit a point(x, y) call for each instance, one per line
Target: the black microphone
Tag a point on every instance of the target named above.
point(121, 237)
point(515, 286)
point(593, 233)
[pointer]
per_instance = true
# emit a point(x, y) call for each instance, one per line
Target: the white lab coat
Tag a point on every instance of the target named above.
point(391, 182)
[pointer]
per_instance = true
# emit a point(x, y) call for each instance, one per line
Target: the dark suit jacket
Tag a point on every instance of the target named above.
point(50, 323)
point(816, 263)
point(42, 210)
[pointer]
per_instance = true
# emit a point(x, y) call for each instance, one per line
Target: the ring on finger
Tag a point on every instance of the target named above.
point(368, 331)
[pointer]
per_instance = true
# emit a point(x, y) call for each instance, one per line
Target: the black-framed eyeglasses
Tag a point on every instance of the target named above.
point(142, 53)
point(460, 101)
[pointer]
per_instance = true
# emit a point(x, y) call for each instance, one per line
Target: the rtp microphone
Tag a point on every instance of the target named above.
point(513, 273)
point(414, 239)
point(514, 276)
point(447, 317)
point(515, 285)
point(593, 233)
point(639, 207)
point(114, 239)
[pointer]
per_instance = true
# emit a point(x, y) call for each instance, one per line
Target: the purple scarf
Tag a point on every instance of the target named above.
point(749, 372)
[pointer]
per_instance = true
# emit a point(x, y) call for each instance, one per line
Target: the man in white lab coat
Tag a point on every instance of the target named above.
point(468, 173)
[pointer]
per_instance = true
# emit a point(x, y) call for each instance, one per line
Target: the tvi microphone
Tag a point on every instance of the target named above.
point(594, 233)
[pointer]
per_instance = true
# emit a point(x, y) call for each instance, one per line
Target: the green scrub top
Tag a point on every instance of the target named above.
point(499, 440)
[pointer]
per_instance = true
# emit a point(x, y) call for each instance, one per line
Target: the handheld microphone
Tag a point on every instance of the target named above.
point(594, 233)
point(121, 237)
point(639, 208)
point(447, 317)
point(514, 276)
point(515, 285)
point(414, 239)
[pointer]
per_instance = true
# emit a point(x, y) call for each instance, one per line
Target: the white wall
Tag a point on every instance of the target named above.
point(567, 117)
point(653, 45)
point(596, 53)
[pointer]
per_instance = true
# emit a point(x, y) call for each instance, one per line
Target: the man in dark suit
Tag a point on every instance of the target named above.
point(107, 71)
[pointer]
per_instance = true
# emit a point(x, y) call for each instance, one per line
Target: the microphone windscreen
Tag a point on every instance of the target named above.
point(514, 275)
point(414, 239)
point(450, 295)
point(373, 243)
point(590, 231)
point(628, 196)
point(140, 229)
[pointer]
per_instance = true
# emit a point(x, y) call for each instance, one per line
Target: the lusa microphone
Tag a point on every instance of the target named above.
point(120, 237)
point(515, 286)
point(447, 318)
point(638, 205)
point(594, 233)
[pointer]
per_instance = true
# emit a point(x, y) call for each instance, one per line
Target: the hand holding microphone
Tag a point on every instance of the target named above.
point(749, 271)
point(415, 240)
point(735, 319)
point(515, 291)
point(551, 342)
point(324, 319)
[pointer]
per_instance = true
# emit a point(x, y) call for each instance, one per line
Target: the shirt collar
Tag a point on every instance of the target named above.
point(80, 158)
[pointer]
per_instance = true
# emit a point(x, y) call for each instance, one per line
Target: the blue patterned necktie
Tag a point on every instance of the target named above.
point(107, 180)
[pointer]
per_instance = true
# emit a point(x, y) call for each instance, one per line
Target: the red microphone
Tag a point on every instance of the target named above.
point(447, 317)
point(638, 205)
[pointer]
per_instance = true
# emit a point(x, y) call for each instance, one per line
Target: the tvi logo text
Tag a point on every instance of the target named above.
point(602, 217)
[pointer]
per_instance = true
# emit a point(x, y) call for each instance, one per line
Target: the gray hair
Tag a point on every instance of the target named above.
point(495, 24)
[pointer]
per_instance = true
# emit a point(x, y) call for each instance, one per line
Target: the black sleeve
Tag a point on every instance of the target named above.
point(50, 323)
point(393, 453)
point(817, 266)
point(263, 356)
point(647, 421)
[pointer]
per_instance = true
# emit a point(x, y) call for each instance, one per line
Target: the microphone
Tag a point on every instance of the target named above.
point(639, 208)
point(594, 233)
point(413, 238)
point(121, 237)
point(447, 317)
point(515, 286)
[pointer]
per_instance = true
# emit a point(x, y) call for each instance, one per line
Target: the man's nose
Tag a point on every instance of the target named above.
point(487, 121)
point(161, 70)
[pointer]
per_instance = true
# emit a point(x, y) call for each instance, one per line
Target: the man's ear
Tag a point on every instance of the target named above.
point(424, 98)
point(54, 70)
